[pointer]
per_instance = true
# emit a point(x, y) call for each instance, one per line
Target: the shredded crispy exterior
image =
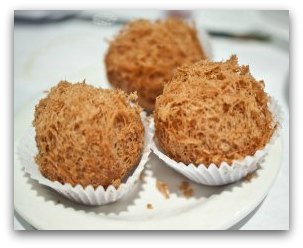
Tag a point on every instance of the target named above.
point(87, 136)
point(212, 112)
point(145, 54)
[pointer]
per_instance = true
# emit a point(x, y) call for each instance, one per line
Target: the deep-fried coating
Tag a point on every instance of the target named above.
point(145, 55)
point(212, 112)
point(87, 136)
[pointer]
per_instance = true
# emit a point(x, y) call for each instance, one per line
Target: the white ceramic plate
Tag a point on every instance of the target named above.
point(209, 207)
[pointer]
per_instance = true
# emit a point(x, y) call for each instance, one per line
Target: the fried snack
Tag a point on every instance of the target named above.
point(145, 55)
point(87, 136)
point(212, 112)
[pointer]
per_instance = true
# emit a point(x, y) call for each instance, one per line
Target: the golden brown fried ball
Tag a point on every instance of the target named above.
point(212, 112)
point(87, 136)
point(145, 55)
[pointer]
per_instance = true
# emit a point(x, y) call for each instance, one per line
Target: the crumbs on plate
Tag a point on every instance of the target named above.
point(186, 189)
point(248, 177)
point(141, 177)
point(163, 188)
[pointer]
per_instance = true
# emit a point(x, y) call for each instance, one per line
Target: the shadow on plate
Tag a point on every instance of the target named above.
point(173, 180)
point(115, 208)
point(154, 168)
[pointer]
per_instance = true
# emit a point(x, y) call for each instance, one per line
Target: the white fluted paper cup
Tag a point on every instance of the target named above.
point(225, 173)
point(27, 150)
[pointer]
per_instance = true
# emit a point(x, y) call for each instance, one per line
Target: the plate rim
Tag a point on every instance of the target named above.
point(148, 225)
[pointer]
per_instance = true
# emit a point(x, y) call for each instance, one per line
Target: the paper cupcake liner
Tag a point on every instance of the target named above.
point(225, 173)
point(89, 195)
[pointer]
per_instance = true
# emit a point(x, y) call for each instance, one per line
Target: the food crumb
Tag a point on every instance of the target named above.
point(248, 177)
point(141, 177)
point(149, 206)
point(163, 188)
point(186, 190)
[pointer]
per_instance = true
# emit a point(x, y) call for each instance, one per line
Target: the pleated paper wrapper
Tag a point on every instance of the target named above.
point(225, 173)
point(89, 195)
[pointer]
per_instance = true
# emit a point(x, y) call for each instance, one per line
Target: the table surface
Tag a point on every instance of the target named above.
point(39, 63)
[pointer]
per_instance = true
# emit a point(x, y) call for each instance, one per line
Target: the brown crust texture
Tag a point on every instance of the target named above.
point(87, 136)
point(145, 55)
point(212, 112)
